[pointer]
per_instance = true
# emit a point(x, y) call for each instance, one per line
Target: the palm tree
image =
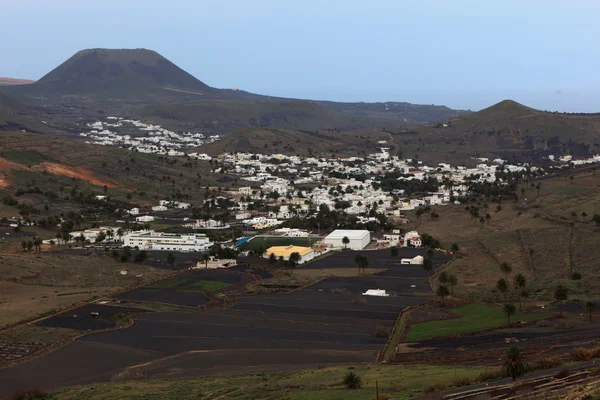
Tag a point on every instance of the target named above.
point(294, 259)
point(520, 283)
point(205, 259)
point(444, 278)
point(502, 286)
point(352, 381)
point(506, 269)
point(345, 241)
point(561, 293)
point(590, 306)
point(509, 310)
point(515, 362)
point(394, 251)
point(360, 261)
point(453, 282)
point(272, 259)
point(442, 292)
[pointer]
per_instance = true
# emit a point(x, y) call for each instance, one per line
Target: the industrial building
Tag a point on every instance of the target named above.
point(359, 239)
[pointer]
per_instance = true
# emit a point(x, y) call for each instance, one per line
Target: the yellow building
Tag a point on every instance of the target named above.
point(306, 253)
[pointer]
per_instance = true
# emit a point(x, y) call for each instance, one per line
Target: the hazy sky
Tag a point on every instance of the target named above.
point(461, 53)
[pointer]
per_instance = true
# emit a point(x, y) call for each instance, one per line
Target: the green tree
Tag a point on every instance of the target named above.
point(442, 292)
point(453, 282)
point(394, 251)
point(141, 256)
point(515, 362)
point(352, 381)
point(509, 311)
point(590, 306)
point(171, 259)
point(520, 283)
point(561, 293)
point(345, 241)
point(24, 245)
point(506, 269)
point(272, 259)
point(427, 265)
point(502, 286)
point(454, 247)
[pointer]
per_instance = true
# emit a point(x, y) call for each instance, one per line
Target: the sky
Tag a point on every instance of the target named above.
point(466, 54)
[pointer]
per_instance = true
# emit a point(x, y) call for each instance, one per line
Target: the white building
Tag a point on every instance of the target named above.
point(151, 240)
point(417, 260)
point(159, 208)
point(144, 218)
point(134, 211)
point(359, 239)
point(376, 292)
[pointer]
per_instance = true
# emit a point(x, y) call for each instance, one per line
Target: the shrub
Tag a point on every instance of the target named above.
point(352, 381)
point(359, 299)
point(563, 325)
point(490, 375)
point(434, 388)
point(563, 373)
point(581, 354)
point(461, 381)
point(575, 276)
point(548, 362)
point(382, 331)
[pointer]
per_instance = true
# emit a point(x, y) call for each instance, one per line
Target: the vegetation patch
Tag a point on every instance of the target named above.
point(25, 157)
point(473, 318)
point(210, 286)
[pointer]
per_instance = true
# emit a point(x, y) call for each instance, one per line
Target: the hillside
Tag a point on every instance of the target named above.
point(13, 81)
point(224, 116)
point(405, 113)
point(292, 142)
point(508, 129)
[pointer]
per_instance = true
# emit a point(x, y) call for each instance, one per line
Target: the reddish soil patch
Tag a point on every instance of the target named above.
point(4, 182)
point(73, 172)
point(53, 168)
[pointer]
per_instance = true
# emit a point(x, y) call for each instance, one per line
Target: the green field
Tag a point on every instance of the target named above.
point(266, 242)
point(210, 286)
point(474, 317)
point(401, 382)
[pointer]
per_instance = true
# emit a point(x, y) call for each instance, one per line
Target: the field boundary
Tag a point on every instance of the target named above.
point(400, 327)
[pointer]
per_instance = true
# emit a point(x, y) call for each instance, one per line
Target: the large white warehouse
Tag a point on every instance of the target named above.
point(358, 239)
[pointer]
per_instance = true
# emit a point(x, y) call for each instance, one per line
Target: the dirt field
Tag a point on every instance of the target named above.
point(259, 332)
point(42, 283)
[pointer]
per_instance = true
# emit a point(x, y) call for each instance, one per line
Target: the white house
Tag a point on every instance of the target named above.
point(306, 253)
point(159, 208)
point(144, 218)
point(417, 260)
point(151, 240)
point(412, 239)
point(134, 211)
point(359, 239)
point(376, 292)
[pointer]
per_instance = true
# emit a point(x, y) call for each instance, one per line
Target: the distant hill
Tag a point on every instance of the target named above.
point(101, 81)
point(14, 81)
point(98, 71)
point(404, 113)
point(507, 129)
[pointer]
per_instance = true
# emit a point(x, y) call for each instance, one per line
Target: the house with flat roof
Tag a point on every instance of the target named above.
point(306, 253)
